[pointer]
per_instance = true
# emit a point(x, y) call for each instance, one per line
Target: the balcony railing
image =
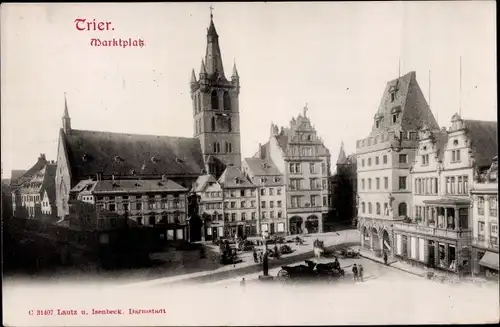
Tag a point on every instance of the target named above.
point(415, 228)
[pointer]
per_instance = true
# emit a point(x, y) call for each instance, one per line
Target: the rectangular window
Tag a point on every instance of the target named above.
point(271, 191)
point(402, 182)
point(386, 182)
point(242, 192)
point(263, 204)
point(324, 201)
point(253, 216)
point(243, 216)
point(466, 185)
point(262, 191)
point(385, 159)
point(312, 168)
point(369, 183)
point(399, 244)
point(271, 204)
point(278, 191)
point(481, 227)
point(242, 204)
point(377, 180)
point(362, 184)
point(314, 200)
point(413, 249)
point(402, 158)
point(279, 204)
point(376, 160)
point(452, 185)
point(233, 204)
point(280, 214)
point(323, 168)
point(493, 206)
point(233, 216)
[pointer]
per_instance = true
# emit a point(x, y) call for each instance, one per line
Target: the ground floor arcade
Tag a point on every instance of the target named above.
point(305, 223)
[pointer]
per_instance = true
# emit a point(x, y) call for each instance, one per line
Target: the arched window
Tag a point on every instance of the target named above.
point(229, 126)
point(217, 147)
point(227, 101)
point(213, 124)
point(199, 102)
point(378, 208)
point(215, 100)
point(363, 208)
point(369, 207)
point(402, 209)
point(228, 147)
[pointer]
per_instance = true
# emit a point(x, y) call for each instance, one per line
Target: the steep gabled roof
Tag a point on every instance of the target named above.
point(484, 141)
point(233, 177)
point(15, 175)
point(49, 182)
point(282, 140)
point(91, 152)
point(409, 101)
point(202, 182)
point(262, 167)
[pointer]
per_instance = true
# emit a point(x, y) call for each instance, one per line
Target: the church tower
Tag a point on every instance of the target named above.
point(216, 109)
point(66, 121)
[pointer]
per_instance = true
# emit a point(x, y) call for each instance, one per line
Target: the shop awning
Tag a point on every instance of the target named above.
point(489, 260)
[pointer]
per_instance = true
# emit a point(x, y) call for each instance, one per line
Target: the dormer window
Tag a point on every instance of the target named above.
point(455, 142)
point(393, 96)
point(263, 179)
point(377, 124)
point(276, 179)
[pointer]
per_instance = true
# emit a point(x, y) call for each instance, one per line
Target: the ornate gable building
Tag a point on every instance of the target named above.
point(216, 109)
point(304, 161)
point(384, 159)
point(440, 228)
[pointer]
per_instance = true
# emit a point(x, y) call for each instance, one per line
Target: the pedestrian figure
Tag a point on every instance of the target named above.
point(385, 258)
point(336, 264)
point(361, 272)
point(242, 283)
point(255, 259)
point(260, 257)
point(276, 252)
point(355, 272)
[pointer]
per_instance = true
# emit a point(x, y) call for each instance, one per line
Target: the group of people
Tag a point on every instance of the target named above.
point(357, 272)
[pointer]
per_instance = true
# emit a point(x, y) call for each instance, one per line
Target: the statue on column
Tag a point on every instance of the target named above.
point(265, 264)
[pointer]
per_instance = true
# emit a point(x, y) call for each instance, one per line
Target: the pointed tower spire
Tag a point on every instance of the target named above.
point(193, 77)
point(203, 70)
point(235, 71)
point(213, 57)
point(342, 159)
point(66, 121)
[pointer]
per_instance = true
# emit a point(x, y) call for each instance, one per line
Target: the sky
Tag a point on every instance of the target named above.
point(335, 56)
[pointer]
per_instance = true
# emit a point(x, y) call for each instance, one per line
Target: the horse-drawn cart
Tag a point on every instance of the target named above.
point(310, 272)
